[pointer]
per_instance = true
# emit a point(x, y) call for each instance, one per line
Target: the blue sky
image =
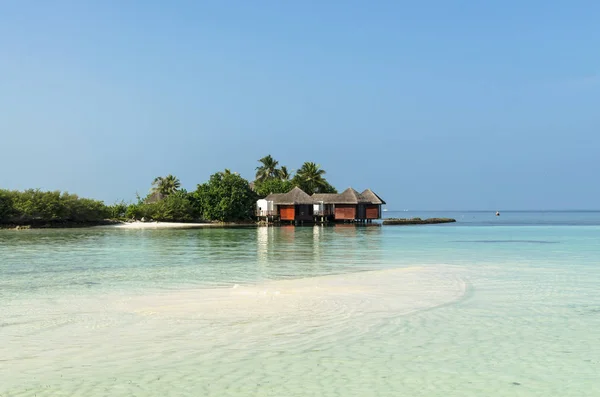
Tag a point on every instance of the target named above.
point(432, 104)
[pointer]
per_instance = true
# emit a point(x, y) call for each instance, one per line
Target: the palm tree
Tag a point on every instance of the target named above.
point(228, 172)
point(310, 177)
point(284, 174)
point(268, 169)
point(165, 185)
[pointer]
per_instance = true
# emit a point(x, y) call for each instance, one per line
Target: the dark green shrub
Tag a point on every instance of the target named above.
point(268, 186)
point(176, 207)
point(6, 205)
point(226, 197)
point(117, 210)
point(34, 206)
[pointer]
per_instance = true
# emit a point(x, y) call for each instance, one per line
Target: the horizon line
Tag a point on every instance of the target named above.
point(495, 210)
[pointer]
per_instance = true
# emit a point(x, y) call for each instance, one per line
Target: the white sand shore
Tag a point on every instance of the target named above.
point(161, 225)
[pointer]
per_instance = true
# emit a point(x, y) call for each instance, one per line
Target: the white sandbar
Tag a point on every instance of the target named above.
point(93, 343)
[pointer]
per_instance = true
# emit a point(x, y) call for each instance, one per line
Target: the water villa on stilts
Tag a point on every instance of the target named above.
point(297, 207)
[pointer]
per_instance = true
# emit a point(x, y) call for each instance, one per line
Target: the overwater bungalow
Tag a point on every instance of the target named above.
point(298, 207)
point(373, 207)
point(295, 206)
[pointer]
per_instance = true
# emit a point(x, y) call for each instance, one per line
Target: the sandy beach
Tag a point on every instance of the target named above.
point(161, 225)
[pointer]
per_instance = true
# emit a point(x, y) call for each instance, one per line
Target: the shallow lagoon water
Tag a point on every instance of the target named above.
point(472, 308)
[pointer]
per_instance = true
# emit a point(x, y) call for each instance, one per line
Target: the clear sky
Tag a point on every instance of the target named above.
point(432, 104)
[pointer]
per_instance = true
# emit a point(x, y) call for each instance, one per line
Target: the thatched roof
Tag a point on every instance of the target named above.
point(350, 196)
point(293, 197)
point(371, 197)
point(274, 197)
point(326, 198)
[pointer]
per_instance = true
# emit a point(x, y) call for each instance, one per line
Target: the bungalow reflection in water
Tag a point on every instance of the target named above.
point(297, 206)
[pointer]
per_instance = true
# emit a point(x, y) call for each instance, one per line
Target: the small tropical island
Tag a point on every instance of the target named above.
point(224, 199)
point(417, 221)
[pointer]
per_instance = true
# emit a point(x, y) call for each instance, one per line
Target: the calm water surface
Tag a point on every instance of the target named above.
point(489, 306)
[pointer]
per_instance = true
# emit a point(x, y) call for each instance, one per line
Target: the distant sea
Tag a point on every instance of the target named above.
point(506, 218)
point(490, 305)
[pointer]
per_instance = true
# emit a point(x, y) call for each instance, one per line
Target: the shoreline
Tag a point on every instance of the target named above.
point(162, 225)
point(57, 225)
point(137, 225)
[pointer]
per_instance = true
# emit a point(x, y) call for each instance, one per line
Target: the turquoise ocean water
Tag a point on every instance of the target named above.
point(489, 306)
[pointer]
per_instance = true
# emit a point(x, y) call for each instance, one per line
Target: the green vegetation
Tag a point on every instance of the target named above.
point(417, 221)
point(176, 207)
point(310, 178)
point(166, 185)
point(284, 174)
point(270, 179)
point(37, 208)
point(117, 211)
point(225, 197)
point(263, 189)
point(268, 169)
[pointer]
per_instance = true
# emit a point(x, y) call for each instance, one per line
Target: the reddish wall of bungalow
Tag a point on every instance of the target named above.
point(345, 211)
point(301, 212)
point(286, 212)
point(361, 211)
point(372, 212)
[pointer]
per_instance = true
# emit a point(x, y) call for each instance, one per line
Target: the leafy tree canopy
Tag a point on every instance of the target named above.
point(177, 207)
point(226, 197)
point(34, 206)
point(269, 186)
